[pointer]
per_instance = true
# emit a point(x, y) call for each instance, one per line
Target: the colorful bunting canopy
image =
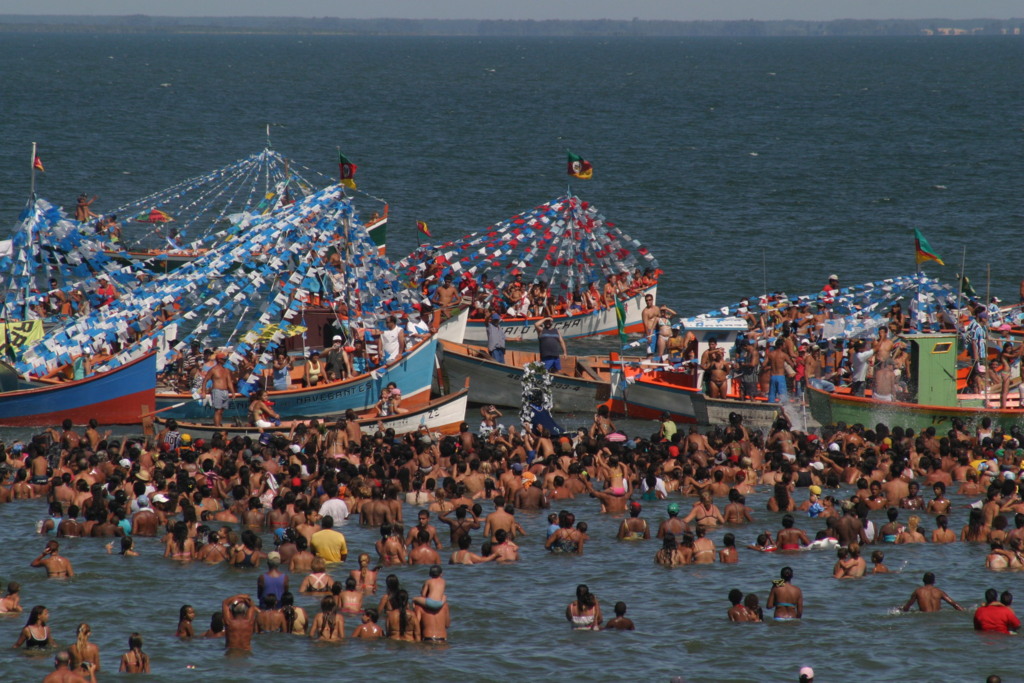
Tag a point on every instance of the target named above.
point(564, 242)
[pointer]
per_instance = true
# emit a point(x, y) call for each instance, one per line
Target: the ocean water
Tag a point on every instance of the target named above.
point(744, 164)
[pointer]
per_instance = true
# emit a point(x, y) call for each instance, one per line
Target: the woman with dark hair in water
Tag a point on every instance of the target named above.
point(36, 634)
point(584, 613)
point(403, 623)
point(786, 599)
point(781, 501)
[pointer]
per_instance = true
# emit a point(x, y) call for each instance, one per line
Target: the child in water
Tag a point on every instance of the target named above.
point(620, 622)
point(876, 559)
point(432, 597)
point(369, 628)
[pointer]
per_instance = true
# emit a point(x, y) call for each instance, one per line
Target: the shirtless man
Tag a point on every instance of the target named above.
point(649, 316)
point(434, 625)
point(145, 522)
point(530, 497)
point(422, 553)
point(239, 622)
point(776, 361)
point(446, 295)
point(57, 566)
point(673, 525)
point(611, 503)
point(502, 519)
point(220, 392)
point(63, 674)
point(505, 549)
point(929, 598)
point(423, 524)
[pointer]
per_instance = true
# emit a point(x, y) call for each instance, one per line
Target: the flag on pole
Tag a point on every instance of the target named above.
point(620, 319)
point(924, 250)
point(38, 163)
point(347, 171)
point(422, 227)
point(579, 167)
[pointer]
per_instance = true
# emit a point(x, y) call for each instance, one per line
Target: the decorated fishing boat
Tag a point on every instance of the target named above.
point(648, 389)
point(582, 383)
point(561, 259)
point(442, 415)
point(412, 374)
point(119, 395)
point(51, 271)
point(246, 296)
point(937, 393)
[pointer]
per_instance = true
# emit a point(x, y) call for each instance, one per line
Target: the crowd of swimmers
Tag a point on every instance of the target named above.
point(212, 502)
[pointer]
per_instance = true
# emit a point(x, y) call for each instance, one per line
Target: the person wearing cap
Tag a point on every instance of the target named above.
point(336, 360)
point(830, 290)
point(496, 338)
point(551, 344)
point(145, 522)
point(673, 525)
point(806, 675)
point(218, 379)
point(272, 582)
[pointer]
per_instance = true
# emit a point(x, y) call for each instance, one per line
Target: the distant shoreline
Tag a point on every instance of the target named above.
point(607, 28)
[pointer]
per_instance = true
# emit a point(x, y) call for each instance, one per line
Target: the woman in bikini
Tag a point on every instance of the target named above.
point(179, 546)
point(911, 534)
point(391, 588)
point(703, 547)
point(36, 634)
point(584, 613)
point(365, 577)
point(565, 540)
point(295, 618)
point(705, 512)
point(318, 582)
point(669, 555)
point(84, 652)
point(135, 661)
point(786, 599)
point(403, 623)
point(328, 625)
point(351, 598)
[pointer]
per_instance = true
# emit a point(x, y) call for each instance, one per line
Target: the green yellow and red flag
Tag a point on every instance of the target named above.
point(423, 227)
point(578, 167)
point(347, 171)
point(923, 250)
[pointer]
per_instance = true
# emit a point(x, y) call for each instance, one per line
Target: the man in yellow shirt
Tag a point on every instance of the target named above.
point(328, 543)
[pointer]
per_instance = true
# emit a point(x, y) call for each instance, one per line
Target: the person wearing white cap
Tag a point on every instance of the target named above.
point(806, 675)
point(336, 360)
point(830, 290)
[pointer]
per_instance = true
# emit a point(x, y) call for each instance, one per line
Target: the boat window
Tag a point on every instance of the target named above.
point(942, 347)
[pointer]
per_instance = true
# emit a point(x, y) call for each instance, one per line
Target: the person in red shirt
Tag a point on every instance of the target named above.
point(995, 616)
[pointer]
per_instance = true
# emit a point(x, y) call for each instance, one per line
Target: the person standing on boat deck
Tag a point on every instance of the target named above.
point(496, 338)
point(339, 365)
point(282, 370)
point(552, 346)
point(219, 379)
point(392, 341)
point(858, 380)
point(776, 361)
point(83, 212)
point(649, 316)
point(446, 295)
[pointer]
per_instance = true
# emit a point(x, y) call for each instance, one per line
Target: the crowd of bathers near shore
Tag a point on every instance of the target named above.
point(216, 501)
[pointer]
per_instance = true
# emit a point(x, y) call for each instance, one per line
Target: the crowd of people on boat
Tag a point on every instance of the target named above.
point(218, 501)
point(538, 299)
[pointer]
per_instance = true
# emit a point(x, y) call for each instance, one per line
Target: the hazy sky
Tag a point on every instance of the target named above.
point(817, 10)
